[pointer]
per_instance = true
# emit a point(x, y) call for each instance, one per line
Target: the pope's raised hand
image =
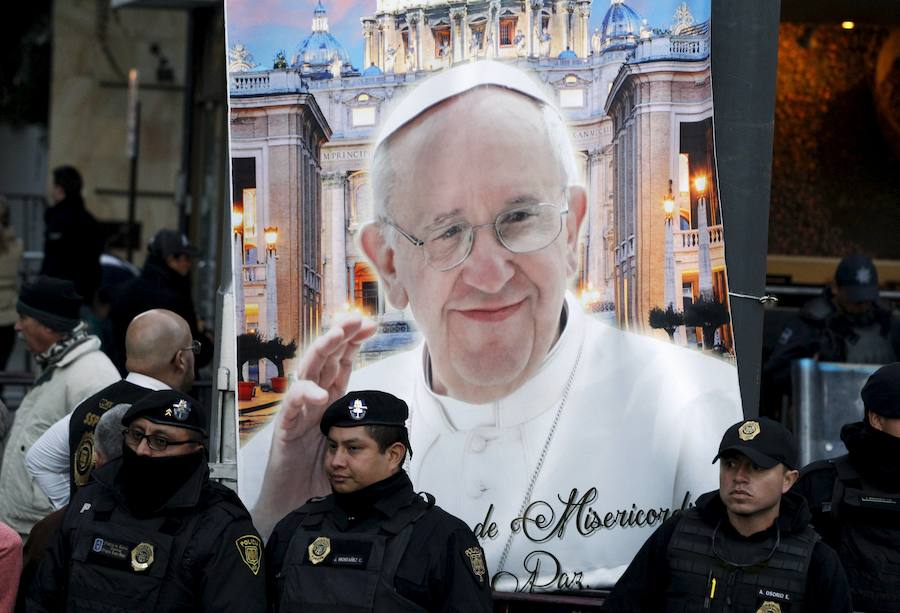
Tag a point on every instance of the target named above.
point(295, 470)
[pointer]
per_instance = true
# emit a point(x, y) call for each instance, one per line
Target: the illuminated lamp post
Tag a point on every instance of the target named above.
point(706, 287)
point(670, 292)
point(237, 225)
point(271, 237)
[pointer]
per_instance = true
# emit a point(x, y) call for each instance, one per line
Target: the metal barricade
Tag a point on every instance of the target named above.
point(826, 396)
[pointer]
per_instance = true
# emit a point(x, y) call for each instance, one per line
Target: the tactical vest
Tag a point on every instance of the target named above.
point(702, 581)
point(868, 539)
point(84, 421)
point(120, 563)
point(329, 571)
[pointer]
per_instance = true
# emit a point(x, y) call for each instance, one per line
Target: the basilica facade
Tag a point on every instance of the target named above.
point(637, 100)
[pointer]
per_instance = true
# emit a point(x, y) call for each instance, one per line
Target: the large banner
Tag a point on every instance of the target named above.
point(507, 215)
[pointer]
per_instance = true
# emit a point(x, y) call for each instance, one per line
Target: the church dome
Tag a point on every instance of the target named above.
point(568, 54)
point(372, 71)
point(317, 51)
point(621, 26)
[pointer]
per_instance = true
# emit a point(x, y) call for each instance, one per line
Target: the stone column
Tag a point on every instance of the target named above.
point(458, 33)
point(335, 291)
point(670, 295)
point(415, 20)
point(237, 259)
point(271, 295)
point(592, 181)
point(368, 25)
point(568, 37)
point(534, 48)
point(584, 14)
point(382, 39)
point(706, 286)
point(494, 25)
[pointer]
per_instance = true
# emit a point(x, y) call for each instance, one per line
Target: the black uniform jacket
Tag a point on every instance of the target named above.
point(158, 287)
point(863, 524)
point(643, 586)
point(875, 455)
point(435, 572)
point(72, 246)
point(218, 566)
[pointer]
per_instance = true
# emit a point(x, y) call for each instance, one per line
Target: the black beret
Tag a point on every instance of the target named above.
point(170, 408)
point(53, 302)
point(765, 441)
point(881, 393)
point(365, 408)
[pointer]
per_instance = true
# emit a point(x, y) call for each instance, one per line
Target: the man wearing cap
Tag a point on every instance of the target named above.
point(373, 544)
point(164, 283)
point(521, 403)
point(845, 324)
point(160, 354)
point(746, 547)
point(151, 532)
point(855, 498)
point(72, 367)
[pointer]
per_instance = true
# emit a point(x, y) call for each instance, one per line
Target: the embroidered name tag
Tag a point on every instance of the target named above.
point(348, 559)
point(343, 553)
point(877, 501)
point(116, 551)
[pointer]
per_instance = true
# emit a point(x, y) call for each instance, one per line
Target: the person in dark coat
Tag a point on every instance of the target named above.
point(73, 240)
point(747, 546)
point(855, 498)
point(164, 283)
point(844, 324)
point(374, 544)
point(151, 532)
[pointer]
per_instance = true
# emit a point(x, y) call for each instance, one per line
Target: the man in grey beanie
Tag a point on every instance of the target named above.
point(71, 367)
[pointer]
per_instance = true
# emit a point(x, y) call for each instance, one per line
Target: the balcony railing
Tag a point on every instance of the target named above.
point(689, 240)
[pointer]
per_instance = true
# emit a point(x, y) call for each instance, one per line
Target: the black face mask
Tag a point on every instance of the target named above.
point(149, 482)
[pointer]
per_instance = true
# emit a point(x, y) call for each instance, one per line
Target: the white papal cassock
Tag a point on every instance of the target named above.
point(562, 486)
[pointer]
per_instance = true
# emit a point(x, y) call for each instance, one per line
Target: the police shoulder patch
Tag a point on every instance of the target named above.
point(250, 548)
point(476, 561)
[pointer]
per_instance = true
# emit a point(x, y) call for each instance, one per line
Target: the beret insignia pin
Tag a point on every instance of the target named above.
point(181, 410)
point(358, 409)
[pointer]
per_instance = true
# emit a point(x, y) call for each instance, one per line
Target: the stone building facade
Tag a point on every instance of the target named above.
point(601, 81)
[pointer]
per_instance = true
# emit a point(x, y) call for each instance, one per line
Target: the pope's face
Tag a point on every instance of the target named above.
point(490, 321)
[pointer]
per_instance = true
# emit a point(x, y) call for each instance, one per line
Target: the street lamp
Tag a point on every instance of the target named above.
point(237, 220)
point(704, 262)
point(700, 185)
point(270, 234)
point(669, 202)
point(237, 262)
point(669, 289)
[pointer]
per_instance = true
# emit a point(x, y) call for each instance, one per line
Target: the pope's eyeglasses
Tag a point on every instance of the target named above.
point(520, 230)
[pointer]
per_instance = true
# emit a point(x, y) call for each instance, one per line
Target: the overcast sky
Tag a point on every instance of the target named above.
point(265, 26)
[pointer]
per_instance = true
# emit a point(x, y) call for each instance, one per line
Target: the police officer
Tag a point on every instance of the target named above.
point(746, 547)
point(855, 499)
point(844, 324)
point(151, 532)
point(373, 544)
